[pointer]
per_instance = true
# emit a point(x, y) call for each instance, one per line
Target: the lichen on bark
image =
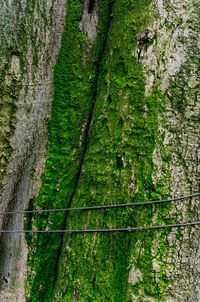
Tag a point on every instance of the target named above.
point(30, 39)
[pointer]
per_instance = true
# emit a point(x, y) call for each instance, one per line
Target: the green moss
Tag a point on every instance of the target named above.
point(75, 87)
point(110, 163)
point(118, 163)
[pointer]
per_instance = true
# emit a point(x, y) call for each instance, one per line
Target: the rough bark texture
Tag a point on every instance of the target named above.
point(124, 128)
point(143, 144)
point(30, 38)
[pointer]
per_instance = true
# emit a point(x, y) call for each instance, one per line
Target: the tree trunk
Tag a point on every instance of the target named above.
point(30, 38)
point(124, 128)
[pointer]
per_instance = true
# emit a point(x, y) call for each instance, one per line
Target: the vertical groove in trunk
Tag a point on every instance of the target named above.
point(124, 127)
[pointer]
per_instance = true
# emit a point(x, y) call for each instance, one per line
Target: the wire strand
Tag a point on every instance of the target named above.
point(106, 230)
point(103, 206)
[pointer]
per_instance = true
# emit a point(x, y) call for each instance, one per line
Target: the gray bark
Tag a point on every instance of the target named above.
point(30, 38)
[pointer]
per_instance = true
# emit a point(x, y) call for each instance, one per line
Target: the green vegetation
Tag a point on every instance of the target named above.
point(110, 163)
point(75, 81)
point(118, 163)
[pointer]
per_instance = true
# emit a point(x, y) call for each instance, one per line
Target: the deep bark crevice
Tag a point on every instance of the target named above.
point(86, 140)
point(91, 6)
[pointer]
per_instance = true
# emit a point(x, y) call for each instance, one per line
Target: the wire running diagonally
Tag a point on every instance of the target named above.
point(104, 206)
point(106, 230)
point(140, 228)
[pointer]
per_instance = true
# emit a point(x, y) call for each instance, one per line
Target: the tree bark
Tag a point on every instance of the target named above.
point(124, 128)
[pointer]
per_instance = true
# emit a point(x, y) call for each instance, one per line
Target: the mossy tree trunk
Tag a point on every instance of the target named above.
point(124, 128)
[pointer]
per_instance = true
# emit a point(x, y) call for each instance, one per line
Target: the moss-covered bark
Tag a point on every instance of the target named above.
point(75, 83)
point(118, 168)
point(115, 137)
